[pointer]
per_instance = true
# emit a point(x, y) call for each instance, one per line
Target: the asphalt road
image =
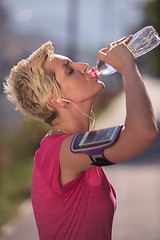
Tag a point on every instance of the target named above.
point(137, 183)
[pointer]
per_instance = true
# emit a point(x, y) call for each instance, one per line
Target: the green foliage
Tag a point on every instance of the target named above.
point(152, 11)
point(152, 17)
point(17, 151)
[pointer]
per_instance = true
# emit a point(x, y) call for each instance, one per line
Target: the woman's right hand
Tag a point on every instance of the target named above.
point(118, 55)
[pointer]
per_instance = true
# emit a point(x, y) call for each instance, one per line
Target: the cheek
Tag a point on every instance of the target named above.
point(69, 91)
point(80, 89)
point(74, 87)
point(75, 92)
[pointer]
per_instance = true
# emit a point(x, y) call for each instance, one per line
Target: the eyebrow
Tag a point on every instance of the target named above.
point(65, 64)
point(67, 61)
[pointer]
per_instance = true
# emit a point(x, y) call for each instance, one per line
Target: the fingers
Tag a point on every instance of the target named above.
point(125, 40)
point(119, 41)
point(103, 52)
point(129, 39)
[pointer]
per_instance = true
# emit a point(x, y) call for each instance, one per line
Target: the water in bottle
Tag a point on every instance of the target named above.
point(142, 42)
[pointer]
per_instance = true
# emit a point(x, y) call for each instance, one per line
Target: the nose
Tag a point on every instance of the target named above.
point(82, 67)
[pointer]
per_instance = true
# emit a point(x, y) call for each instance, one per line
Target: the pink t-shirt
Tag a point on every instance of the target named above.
point(81, 210)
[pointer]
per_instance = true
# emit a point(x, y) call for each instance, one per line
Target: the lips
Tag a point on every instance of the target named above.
point(92, 74)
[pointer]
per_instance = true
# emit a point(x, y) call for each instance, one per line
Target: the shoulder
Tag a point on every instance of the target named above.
point(51, 141)
point(49, 150)
point(46, 160)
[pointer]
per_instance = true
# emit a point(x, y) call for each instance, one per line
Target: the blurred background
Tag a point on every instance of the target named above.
point(78, 29)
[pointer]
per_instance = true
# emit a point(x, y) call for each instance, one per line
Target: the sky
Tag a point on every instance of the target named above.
point(100, 21)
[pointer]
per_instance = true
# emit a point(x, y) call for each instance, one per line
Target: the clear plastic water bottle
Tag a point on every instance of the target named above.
point(142, 42)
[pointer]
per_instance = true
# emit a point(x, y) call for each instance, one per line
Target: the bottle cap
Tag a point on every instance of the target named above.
point(94, 72)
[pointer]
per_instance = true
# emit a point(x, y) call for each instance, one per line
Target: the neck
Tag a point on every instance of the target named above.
point(73, 120)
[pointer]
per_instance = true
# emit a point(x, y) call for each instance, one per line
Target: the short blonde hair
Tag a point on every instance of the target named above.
point(30, 86)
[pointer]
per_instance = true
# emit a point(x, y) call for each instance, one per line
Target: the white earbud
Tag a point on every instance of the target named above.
point(62, 99)
point(65, 100)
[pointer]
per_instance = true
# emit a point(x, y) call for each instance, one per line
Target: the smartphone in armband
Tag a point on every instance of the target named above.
point(94, 142)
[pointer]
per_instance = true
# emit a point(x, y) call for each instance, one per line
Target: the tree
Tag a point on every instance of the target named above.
point(152, 17)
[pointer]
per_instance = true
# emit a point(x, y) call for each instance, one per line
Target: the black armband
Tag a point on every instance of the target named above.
point(94, 142)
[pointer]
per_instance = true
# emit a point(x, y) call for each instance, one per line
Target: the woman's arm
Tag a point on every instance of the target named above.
point(140, 126)
point(140, 130)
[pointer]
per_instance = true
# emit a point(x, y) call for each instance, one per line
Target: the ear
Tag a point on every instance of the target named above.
point(56, 103)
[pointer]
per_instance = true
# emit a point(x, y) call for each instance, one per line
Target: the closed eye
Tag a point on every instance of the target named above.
point(70, 71)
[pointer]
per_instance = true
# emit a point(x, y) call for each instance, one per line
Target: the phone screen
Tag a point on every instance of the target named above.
point(98, 136)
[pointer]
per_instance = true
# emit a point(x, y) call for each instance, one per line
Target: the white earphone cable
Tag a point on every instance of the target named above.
point(91, 118)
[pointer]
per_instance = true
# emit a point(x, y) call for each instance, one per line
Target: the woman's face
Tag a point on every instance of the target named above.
point(75, 80)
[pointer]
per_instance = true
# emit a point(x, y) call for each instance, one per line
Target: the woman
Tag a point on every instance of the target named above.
point(72, 198)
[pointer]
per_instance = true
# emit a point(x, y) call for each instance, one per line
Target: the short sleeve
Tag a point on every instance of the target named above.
point(47, 160)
